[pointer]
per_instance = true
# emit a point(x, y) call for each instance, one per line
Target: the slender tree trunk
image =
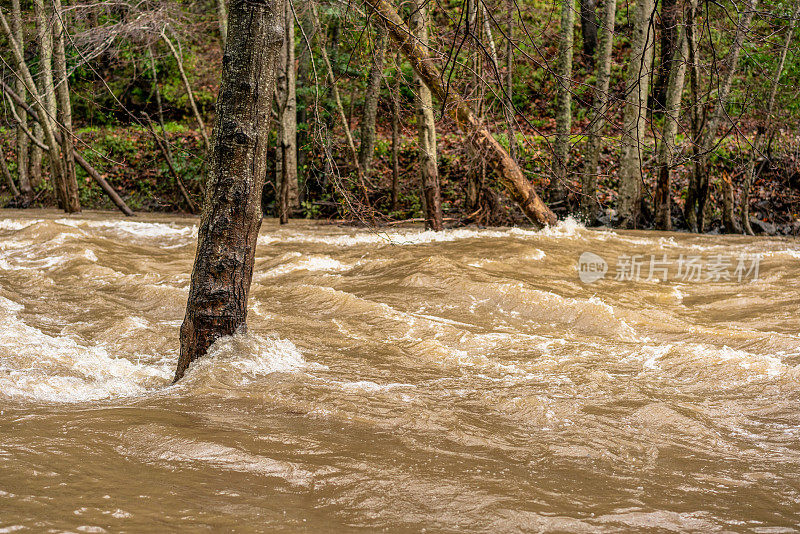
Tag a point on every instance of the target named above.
point(426, 125)
point(757, 147)
point(595, 133)
point(709, 136)
point(22, 139)
point(371, 96)
point(287, 127)
point(506, 170)
point(64, 108)
point(696, 117)
point(396, 133)
point(637, 85)
point(179, 60)
point(45, 114)
point(508, 108)
point(47, 89)
point(339, 107)
point(672, 108)
point(222, 15)
point(670, 17)
point(558, 180)
point(7, 175)
point(228, 232)
point(589, 28)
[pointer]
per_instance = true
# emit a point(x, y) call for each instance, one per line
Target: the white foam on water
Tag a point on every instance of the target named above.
point(136, 229)
point(308, 263)
point(35, 366)
point(568, 228)
point(244, 357)
point(17, 224)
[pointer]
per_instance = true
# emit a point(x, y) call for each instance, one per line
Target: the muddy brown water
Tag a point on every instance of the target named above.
point(399, 381)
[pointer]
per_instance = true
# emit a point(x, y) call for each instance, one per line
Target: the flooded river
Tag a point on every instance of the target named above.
point(400, 381)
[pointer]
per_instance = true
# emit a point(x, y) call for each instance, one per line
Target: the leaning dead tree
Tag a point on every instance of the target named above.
point(226, 240)
point(505, 168)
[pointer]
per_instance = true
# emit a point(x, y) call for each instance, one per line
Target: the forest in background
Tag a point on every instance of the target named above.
point(670, 114)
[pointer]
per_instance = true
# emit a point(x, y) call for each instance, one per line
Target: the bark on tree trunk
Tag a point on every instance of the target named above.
point(637, 85)
point(506, 170)
point(589, 28)
point(672, 109)
point(179, 60)
point(558, 175)
point(222, 15)
point(670, 16)
point(595, 132)
point(750, 172)
point(228, 232)
point(64, 108)
point(426, 125)
point(371, 96)
point(22, 139)
point(287, 127)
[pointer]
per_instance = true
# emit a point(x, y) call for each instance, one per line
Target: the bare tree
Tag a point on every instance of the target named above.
point(765, 127)
point(371, 97)
point(286, 163)
point(506, 170)
point(595, 131)
point(426, 126)
point(697, 194)
point(558, 179)
point(64, 104)
point(635, 115)
point(22, 139)
point(672, 109)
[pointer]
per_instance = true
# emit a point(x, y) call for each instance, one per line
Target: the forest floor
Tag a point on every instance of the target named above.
point(133, 164)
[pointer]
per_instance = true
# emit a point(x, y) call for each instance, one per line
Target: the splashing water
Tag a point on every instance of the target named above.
point(402, 380)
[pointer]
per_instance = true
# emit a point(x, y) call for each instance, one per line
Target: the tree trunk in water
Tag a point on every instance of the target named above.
point(595, 132)
point(558, 176)
point(222, 15)
point(708, 137)
point(426, 124)
point(506, 170)
point(287, 128)
point(589, 28)
point(179, 60)
point(22, 139)
point(756, 149)
point(65, 108)
point(696, 117)
point(670, 17)
point(637, 85)
point(674, 93)
point(46, 123)
point(371, 96)
point(398, 73)
point(228, 232)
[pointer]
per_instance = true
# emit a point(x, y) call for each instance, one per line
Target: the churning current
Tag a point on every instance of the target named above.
point(400, 380)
